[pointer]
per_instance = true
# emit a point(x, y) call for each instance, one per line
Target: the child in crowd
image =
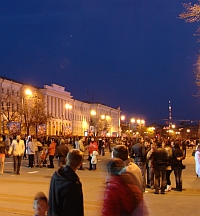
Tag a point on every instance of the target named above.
point(40, 204)
point(94, 160)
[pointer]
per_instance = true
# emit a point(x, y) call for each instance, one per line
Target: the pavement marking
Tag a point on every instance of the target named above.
point(33, 172)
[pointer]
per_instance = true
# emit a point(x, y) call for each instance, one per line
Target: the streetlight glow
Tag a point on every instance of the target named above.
point(68, 106)
point(103, 117)
point(107, 117)
point(93, 112)
point(138, 121)
point(28, 92)
point(123, 118)
point(132, 120)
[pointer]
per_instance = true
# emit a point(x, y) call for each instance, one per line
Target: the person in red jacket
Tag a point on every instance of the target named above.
point(121, 196)
point(92, 147)
point(51, 152)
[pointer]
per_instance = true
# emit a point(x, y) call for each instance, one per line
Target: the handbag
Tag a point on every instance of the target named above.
point(183, 166)
point(193, 152)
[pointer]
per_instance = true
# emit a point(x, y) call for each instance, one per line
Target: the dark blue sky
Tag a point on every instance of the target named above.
point(129, 53)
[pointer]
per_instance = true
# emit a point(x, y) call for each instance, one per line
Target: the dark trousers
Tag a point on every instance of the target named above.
point(184, 151)
point(90, 164)
point(178, 178)
point(30, 160)
point(160, 174)
point(51, 157)
point(17, 163)
point(168, 173)
point(61, 161)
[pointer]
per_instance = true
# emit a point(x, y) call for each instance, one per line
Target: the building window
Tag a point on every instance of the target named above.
point(2, 90)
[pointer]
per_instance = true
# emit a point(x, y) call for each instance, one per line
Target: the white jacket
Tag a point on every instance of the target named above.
point(17, 148)
point(197, 162)
point(94, 157)
point(31, 148)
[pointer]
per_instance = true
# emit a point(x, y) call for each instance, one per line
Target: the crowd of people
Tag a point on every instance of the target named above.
point(135, 165)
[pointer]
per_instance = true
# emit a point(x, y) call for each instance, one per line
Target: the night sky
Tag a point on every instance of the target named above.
point(129, 53)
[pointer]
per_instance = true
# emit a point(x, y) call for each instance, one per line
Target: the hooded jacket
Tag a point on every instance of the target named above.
point(121, 196)
point(65, 194)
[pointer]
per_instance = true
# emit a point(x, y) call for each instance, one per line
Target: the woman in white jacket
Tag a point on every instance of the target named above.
point(197, 161)
point(31, 152)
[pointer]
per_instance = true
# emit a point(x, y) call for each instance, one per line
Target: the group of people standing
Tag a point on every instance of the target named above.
point(148, 163)
point(124, 186)
point(157, 159)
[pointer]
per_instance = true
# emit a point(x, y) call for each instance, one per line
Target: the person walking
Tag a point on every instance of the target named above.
point(159, 156)
point(197, 161)
point(92, 147)
point(7, 143)
point(38, 148)
point(168, 167)
point(121, 152)
point(51, 152)
point(65, 192)
point(80, 146)
point(17, 148)
point(121, 197)
point(139, 154)
point(2, 154)
point(31, 152)
point(61, 153)
point(151, 165)
point(94, 160)
point(177, 166)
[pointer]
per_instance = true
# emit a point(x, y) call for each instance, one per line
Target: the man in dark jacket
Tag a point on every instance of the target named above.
point(159, 157)
point(139, 154)
point(65, 193)
point(61, 153)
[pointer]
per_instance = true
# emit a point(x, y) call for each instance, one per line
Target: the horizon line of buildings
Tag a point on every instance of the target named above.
point(68, 115)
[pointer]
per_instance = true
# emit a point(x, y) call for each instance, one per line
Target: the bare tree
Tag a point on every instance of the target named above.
point(32, 109)
point(191, 15)
point(100, 124)
point(10, 106)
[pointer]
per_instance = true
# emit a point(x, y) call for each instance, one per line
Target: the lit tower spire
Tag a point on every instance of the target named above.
point(170, 115)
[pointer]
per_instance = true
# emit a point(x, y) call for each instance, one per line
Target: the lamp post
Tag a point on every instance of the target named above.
point(122, 124)
point(68, 107)
point(25, 106)
point(92, 121)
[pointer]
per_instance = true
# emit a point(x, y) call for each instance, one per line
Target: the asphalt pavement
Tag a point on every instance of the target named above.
point(17, 191)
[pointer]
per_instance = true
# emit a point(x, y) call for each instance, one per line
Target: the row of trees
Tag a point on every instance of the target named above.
point(25, 106)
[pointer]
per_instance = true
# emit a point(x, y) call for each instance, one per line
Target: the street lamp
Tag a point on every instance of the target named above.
point(103, 116)
point(26, 106)
point(28, 92)
point(141, 123)
point(133, 120)
point(68, 107)
point(123, 118)
point(93, 112)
